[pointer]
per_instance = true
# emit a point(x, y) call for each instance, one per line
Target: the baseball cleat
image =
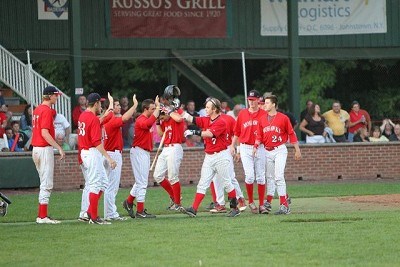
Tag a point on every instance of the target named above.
point(46, 220)
point(242, 204)
point(84, 218)
point(119, 218)
point(98, 220)
point(219, 209)
point(283, 210)
point(233, 213)
point(289, 200)
point(144, 215)
point(267, 206)
point(129, 208)
point(189, 211)
point(174, 207)
point(262, 210)
point(211, 206)
point(253, 208)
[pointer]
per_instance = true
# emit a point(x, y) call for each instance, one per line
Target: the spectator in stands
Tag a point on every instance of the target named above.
point(63, 128)
point(22, 137)
point(77, 111)
point(191, 108)
point(235, 112)
point(302, 116)
point(376, 135)
point(12, 141)
point(337, 119)
point(2, 101)
point(396, 135)
point(225, 107)
point(387, 128)
point(313, 125)
point(361, 135)
point(193, 141)
point(3, 120)
point(61, 140)
point(359, 118)
point(26, 120)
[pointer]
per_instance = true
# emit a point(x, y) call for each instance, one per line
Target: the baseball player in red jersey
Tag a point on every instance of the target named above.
point(254, 166)
point(42, 153)
point(113, 144)
point(104, 118)
point(274, 130)
point(170, 159)
point(140, 158)
point(92, 153)
point(217, 158)
point(216, 187)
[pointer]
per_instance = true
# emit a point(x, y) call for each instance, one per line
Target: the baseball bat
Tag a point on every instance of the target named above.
point(6, 199)
point(158, 151)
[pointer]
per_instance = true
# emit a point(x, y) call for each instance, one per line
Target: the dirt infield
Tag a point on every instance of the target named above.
point(392, 200)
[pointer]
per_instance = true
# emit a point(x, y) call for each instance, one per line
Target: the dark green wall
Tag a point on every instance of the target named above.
point(21, 30)
point(18, 172)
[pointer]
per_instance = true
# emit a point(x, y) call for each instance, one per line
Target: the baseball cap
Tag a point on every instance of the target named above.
point(261, 100)
point(94, 97)
point(253, 95)
point(51, 90)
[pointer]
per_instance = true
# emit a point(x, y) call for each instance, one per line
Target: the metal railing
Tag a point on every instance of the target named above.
point(27, 83)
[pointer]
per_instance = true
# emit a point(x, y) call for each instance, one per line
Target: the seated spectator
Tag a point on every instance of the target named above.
point(396, 135)
point(361, 135)
point(62, 141)
point(22, 137)
point(26, 120)
point(387, 128)
point(235, 112)
point(303, 114)
point(62, 126)
point(337, 119)
point(313, 125)
point(191, 108)
point(12, 142)
point(377, 136)
point(359, 118)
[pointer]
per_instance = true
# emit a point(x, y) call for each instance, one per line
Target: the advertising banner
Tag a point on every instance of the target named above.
point(168, 18)
point(333, 17)
point(52, 9)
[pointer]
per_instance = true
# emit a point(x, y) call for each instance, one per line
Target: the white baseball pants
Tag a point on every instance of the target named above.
point(93, 161)
point(276, 163)
point(114, 178)
point(169, 161)
point(140, 161)
point(219, 186)
point(43, 157)
point(254, 167)
point(217, 163)
point(85, 194)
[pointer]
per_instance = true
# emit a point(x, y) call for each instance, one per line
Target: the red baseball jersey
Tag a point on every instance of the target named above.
point(143, 137)
point(174, 130)
point(276, 131)
point(218, 128)
point(107, 119)
point(42, 118)
point(3, 118)
point(89, 130)
point(230, 127)
point(113, 134)
point(247, 125)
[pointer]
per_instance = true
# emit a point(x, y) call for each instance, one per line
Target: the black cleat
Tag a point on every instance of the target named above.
point(189, 211)
point(144, 215)
point(129, 208)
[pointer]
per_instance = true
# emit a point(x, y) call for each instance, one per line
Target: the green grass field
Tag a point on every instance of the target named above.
point(322, 230)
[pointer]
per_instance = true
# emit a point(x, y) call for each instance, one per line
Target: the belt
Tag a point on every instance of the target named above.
point(248, 144)
point(141, 148)
point(270, 148)
point(167, 145)
point(115, 150)
point(212, 153)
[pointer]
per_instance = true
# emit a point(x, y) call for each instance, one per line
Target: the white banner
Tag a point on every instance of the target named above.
point(52, 9)
point(325, 17)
